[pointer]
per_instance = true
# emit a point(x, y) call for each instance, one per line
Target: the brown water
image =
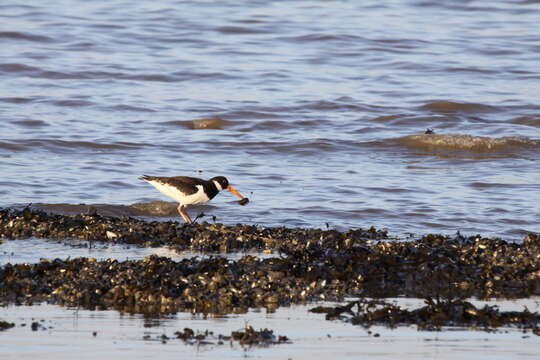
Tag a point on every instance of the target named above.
point(315, 110)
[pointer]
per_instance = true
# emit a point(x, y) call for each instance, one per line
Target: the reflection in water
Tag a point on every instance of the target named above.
point(128, 336)
point(32, 250)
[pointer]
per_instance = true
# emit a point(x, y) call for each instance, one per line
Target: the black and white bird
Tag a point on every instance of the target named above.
point(189, 190)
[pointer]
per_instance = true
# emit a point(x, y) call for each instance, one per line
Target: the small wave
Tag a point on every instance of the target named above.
point(107, 26)
point(151, 77)
point(253, 114)
point(72, 103)
point(333, 105)
point(309, 147)
point(277, 125)
point(484, 185)
point(90, 145)
point(16, 100)
point(11, 146)
point(65, 145)
point(214, 123)
point(10, 67)
point(153, 208)
point(101, 209)
point(527, 120)
point(239, 30)
point(384, 118)
point(191, 75)
point(83, 45)
point(481, 144)
point(15, 35)
point(123, 107)
point(98, 75)
point(472, 69)
point(95, 75)
point(318, 37)
point(274, 125)
point(455, 107)
point(36, 71)
point(31, 123)
point(74, 209)
point(209, 123)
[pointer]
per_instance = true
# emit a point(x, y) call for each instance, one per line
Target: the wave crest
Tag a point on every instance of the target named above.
point(456, 107)
point(480, 144)
point(153, 208)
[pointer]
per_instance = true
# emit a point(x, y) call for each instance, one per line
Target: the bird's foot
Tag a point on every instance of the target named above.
point(200, 216)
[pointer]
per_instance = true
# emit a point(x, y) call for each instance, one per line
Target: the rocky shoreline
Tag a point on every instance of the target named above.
point(309, 265)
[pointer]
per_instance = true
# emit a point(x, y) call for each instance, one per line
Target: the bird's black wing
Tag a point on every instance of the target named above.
point(187, 185)
point(209, 187)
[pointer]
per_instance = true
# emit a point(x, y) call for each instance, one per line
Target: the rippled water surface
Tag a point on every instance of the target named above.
point(316, 110)
point(67, 331)
point(34, 250)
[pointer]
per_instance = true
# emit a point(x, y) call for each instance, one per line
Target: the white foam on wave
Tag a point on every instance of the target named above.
point(467, 142)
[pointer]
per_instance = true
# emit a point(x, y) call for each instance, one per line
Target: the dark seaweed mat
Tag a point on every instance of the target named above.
point(313, 265)
point(433, 316)
point(4, 325)
point(26, 223)
point(246, 337)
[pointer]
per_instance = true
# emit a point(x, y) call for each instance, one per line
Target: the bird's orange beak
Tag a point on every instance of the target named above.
point(231, 189)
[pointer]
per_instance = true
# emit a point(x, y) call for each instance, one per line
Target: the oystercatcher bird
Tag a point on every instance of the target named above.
point(189, 190)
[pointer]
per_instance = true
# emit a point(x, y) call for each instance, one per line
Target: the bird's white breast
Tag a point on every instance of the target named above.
point(172, 192)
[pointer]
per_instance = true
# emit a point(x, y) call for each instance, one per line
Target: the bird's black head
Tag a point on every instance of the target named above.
point(222, 181)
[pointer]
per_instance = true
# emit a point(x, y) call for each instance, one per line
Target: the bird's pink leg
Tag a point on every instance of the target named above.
point(183, 214)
